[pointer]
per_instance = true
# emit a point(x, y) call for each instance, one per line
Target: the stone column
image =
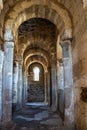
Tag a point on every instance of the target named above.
point(7, 82)
point(54, 82)
point(1, 68)
point(24, 84)
point(15, 85)
point(20, 86)
point(46, 86)
point(49, 86)
point(60, 83)
point(24, 88)
point(68, 83)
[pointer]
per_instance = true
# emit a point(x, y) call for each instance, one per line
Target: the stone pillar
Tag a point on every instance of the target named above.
point(20, 86)
point(60, 83)
point(24, 85)
point(1, 68)
point(24, 88)
point(46, 86)
point(54, 82)
point(68, 83)
point(7, 82)
point(15, 85)
point(49, 86)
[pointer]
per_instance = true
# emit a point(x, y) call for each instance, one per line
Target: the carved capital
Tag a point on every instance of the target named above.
point(9, 44)
point(65, 42)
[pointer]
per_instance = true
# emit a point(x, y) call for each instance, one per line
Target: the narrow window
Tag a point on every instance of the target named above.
point(36, 72)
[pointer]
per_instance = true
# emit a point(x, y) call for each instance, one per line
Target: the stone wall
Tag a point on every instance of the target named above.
point(36, 93)
point(36, 89)
point(79, 53)
point(78, 16)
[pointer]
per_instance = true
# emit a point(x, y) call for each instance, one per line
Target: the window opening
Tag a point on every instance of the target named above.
point(36, 72)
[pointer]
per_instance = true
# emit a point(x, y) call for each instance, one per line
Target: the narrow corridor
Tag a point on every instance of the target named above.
point(43, 59)
point(37, 116)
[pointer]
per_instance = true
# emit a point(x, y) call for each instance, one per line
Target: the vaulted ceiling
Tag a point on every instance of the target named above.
point(36, 25)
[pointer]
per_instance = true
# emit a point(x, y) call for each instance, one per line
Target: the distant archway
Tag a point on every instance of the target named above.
point(36, 88)
point(36, 71)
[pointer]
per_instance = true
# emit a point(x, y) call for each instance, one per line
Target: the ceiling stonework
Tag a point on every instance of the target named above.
point(41, 33)
point(37, 28)
point(34, 23)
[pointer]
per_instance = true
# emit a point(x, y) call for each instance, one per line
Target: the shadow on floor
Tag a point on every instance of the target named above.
point(36, 116)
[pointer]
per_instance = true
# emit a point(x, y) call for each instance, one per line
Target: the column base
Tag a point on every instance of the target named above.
point(70, 126)
point(69, 119)
point(7, 125)
point(18, 108)
point(53, 108)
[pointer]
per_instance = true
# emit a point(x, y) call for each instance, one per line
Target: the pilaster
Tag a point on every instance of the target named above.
point(68, 83)
point(1, 77)
point(54, 82)
point(7, 82)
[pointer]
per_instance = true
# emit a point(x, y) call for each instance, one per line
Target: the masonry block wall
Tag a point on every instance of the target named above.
point(66, 15)
point(36, 89)
point(79, 53)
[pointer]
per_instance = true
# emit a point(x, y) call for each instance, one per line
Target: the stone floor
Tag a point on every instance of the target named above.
point(37, 117)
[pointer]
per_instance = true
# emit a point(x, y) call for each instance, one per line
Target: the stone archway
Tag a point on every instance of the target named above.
point(67, 34)
point(36, 90)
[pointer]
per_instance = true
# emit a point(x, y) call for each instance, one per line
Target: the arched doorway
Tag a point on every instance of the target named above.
point(36, 89)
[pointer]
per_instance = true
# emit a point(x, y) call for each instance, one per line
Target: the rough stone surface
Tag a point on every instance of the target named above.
point(36, 89)
point(36, 93)
point(47, 119)
point(70, 18)
point(7, 82)
point(1, 75)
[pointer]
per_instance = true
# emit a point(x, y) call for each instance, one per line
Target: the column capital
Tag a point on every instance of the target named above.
point(9, 44)
point(46, 71)
point(60, 60)
point(66, 42)
point(15, 63)
point(53, 55)
point(53, 58)
point(1, 52)
point(20, 61)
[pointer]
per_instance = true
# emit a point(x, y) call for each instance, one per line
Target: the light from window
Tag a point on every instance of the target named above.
point(36, 72)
